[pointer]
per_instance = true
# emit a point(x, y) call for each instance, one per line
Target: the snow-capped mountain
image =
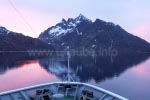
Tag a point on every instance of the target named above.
point(65, 26)
point(3, 30)
point(81, 32)
point(68, 26)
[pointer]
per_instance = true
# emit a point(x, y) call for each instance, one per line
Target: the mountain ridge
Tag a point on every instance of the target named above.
point(81, 32)
point(13, 41)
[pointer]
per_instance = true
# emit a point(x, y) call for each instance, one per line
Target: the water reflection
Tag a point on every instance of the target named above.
point(133, 83)
point(12, 60)
point(88, 68)
point(22, 73)
point(19, 71)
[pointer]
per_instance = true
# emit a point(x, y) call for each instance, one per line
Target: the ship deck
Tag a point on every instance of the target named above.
point(61, 91)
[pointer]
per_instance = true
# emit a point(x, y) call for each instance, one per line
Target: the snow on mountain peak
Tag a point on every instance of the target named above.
point(82, 17)
point(69, 25)
point(56, 31)
point(3, 30)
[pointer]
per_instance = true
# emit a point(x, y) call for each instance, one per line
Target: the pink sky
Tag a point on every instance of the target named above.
point(132, 15)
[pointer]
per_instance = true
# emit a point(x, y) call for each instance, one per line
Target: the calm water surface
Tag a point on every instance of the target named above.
point(132, 80)
point(133, 83)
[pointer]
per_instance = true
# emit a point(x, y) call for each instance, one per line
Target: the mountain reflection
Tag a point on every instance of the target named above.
point(87, 68)
point(83, 68)
point(13, 60)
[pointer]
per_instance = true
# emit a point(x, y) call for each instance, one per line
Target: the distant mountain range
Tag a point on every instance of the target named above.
point(12, 41)
point(77, 33)
point(81, 32)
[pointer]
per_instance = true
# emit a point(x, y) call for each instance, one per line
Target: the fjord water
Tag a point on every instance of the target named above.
point(125, 75)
